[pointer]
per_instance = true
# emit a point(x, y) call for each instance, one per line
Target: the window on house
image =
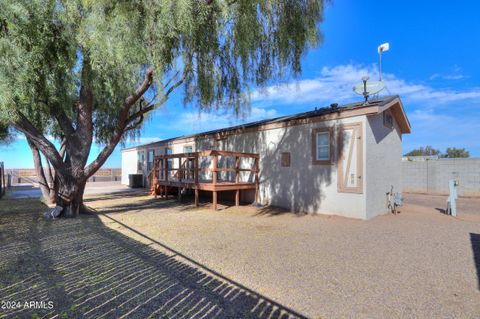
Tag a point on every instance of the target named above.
point(286, 159)
point(322, 145)
point(387, 119)
point(140, 159)
point(188, 149)
point(150, 156)
point(168, 151)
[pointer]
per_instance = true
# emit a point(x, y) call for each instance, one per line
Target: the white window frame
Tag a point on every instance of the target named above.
point(316, 159)
point(327, 146)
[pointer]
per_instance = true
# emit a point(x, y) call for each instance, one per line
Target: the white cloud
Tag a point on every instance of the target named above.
point(447, 76)
point(456, 74)
point(335, 85)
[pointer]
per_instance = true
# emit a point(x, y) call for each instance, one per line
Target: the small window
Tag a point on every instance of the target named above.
point(322, 145)
point(140, 160)
point(286, 159)
point(168, 151)
point(150, 156)
point(188, 149)
point(387, 119)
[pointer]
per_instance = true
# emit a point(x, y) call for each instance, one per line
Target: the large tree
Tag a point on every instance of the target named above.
point(86, 71)
point(423, 151)
point(453, 152)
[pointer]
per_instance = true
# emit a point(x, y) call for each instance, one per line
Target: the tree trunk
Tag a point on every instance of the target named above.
point(70, 194)
point(43, 183)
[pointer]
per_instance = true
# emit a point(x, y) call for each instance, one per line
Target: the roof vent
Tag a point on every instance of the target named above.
point(334, 106)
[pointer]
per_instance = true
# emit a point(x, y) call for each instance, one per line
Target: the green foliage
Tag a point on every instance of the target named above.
point(5, 134)
point(453, 152)
point(49, 49)
point(423, 151)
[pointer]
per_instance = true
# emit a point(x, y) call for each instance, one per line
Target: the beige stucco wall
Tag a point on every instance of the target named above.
point(383, 163)
point(304, 187)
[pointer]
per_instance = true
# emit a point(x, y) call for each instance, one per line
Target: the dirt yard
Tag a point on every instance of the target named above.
point(141, 257)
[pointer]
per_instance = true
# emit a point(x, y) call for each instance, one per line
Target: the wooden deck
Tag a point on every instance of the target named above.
point(214, 171)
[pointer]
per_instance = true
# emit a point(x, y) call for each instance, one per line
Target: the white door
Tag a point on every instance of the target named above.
point(350, 158)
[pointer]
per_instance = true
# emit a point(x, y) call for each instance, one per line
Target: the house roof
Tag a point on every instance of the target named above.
point(374, 106)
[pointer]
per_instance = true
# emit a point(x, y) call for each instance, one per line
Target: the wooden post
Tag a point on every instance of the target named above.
point(166, 169)
point(257, 188)
point(237, 197)
point(195, 171)
point(179, 172)
point(196, 197)
point(215, 163)
point(179, 194)
point(237, 169)
point(214, 200)
point(214, 181)
point(154, 178)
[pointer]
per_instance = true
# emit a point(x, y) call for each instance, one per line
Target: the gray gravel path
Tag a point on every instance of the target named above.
point(418, 264)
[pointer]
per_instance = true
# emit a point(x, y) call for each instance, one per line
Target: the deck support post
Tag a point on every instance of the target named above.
point(196, 197)
point(214, 200)
point(237, 197)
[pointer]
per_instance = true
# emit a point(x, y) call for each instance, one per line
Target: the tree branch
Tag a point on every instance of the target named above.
point(61, 118)
point(165, 96)
point(22, 124)
point(122, 124)
point(129, 101)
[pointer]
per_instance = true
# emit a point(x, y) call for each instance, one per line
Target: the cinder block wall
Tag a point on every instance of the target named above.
point(432, 176)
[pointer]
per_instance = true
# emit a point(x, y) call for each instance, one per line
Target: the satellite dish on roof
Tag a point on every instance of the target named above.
point(368, 88)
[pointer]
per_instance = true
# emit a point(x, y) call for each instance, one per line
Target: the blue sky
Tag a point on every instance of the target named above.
point(432, 64)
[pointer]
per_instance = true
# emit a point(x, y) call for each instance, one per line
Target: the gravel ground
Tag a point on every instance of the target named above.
point(465, 205)
point(418, 264)
point(142, 257)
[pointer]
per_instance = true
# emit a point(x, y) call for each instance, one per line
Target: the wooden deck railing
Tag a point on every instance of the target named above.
point(186, 170)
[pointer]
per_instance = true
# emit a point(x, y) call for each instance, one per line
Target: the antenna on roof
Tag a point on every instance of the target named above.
point(374, 87)
point(384, 47)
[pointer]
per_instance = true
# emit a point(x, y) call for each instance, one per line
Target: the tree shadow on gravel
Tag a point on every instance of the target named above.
point(146, 201)
point(91, 271)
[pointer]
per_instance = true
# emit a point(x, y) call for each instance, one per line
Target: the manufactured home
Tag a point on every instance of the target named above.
point(339, 160)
